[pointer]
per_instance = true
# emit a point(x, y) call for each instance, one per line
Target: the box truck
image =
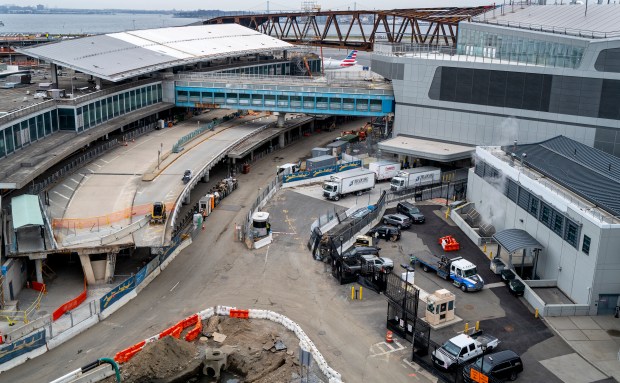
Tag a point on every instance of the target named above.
point(384, 170)
point(410, 178)
point(320, 162)
point(351, 181)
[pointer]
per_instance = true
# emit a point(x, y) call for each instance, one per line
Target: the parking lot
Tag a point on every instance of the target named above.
point(500, 314)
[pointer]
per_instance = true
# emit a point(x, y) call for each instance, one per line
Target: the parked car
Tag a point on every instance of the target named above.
point(507, 275)
point(386, 232)
point(516, 287)
point(379, 262)
point(463, 348)
point(410, 211)
point(398, 220)
point(500, 365)
point(361, 212)
point(355, 252)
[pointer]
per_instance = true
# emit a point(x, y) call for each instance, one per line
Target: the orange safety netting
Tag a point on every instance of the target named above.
point(89, 222)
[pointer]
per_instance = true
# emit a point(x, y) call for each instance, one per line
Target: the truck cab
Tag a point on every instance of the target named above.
point(286, 169)
point(330, 190)
point(462, 348)
point(397, 183)
point(465, 275)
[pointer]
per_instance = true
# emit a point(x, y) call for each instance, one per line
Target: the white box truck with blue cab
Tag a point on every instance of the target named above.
point(354, 181)
point(410, 178)
point(384, 170)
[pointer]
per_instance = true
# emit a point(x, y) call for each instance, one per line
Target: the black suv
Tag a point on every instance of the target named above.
point(500, 365)
point(386, 232)
point(410, 211)
point(359, 251)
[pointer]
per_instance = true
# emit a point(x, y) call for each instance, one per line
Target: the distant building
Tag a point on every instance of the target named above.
point(565, 195)
point(40, 7)
point(526, 73)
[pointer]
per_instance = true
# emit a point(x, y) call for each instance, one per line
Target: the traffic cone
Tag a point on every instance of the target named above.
point(388, 337)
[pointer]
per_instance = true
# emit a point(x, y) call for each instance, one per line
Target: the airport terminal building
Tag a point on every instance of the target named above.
point(525, 74)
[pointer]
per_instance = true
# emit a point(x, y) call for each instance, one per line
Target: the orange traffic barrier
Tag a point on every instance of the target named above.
point(388, 337)
point(126, 354)
point(189, 321)
point(89, 222)
point(193, 333)
point(171, 331)
point(448, 243)
point(243, 314)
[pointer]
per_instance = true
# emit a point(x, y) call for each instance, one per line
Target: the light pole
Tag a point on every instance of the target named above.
point(484, 350)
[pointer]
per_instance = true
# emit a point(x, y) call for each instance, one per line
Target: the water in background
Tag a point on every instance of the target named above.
point(71, 24)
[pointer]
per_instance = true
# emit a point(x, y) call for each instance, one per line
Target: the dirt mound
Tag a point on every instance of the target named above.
point(160, 359)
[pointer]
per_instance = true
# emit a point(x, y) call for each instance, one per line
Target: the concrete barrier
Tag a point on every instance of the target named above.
point(148, 279)
point(27, 329)
point(176, 252)
point(117, 305)
point(71, 332)
point(124, 231)
point(22, 359)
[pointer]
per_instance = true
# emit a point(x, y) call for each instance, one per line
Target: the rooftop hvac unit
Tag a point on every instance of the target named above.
point(487, 230)
point(473, 218)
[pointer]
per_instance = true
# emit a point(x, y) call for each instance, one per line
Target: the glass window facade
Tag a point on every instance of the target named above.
point(17, 135)
point(557, 222)
point(577, 96)
point(608, 60)
point(508, 47)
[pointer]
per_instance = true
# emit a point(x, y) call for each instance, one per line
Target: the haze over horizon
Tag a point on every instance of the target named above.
point(245, 5)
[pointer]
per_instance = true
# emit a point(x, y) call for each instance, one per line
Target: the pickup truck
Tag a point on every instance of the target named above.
point(460, 271)
point(463, 348)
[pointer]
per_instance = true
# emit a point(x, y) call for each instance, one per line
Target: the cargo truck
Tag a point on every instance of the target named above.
point(460, 271)
point(384, 170)
point(410, 178)
point(351, 181)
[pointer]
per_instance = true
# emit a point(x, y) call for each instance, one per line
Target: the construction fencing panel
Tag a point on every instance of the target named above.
point(117, 293)
point(22, 346)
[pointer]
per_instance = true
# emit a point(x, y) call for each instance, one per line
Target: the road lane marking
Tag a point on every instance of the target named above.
point(68, 187)
point(173, 287)
point(63, 196)
point(77, 182)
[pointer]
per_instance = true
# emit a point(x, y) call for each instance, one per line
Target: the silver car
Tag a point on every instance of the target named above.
point(398, 220)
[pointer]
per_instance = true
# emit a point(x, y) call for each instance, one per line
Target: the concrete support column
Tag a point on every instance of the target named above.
point(251, 156)
point(281, 140)
point(38, 265)
point(312, 126)
point(98, 83)
point(54, 69)
point(109, 267)
point(187, 198)
point(205, 178)
point(88, 269)
point(281, 117)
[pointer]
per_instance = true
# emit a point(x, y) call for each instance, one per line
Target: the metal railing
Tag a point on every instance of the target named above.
point(104, 92)
point(26, 111)
point(442, 52)
point(23, 315)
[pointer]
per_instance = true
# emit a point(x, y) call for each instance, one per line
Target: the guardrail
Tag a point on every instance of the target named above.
point(23, 315)
point(26, 111)
point(199, 174)
point(178, 146)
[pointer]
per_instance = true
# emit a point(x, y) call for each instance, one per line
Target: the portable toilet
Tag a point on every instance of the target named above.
point(205, 204)
point(260, 224)
point(439, 307)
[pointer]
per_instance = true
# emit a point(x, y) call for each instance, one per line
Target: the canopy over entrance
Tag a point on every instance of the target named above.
point(516, 239)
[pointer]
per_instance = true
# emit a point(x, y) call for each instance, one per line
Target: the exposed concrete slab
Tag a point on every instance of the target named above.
point(561, 323)
point(596, 334)
point(573, 335)
point(596, 350)
point(572, 368)
point(585, 323)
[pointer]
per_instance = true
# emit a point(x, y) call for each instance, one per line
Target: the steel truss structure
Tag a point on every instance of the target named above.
point(345, 29)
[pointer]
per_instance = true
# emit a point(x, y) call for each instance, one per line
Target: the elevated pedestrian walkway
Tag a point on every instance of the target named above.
point(364, 97)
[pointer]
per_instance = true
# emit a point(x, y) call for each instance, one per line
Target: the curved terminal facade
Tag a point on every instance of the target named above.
point(527, 75)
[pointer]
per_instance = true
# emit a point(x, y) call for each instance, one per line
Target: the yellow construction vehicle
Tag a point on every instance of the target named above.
point(158, 213)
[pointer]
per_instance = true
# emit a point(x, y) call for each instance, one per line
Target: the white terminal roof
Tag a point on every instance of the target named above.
point(117, 56)
point(428, 149)
point(600, 19)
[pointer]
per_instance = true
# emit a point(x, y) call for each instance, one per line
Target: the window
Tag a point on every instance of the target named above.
point(545, 216)
point(572, 233)
point(586, 245)
point(558, 223)
point(533, 209)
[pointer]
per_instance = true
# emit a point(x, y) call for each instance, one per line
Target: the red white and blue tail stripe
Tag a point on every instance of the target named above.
point(350, 59)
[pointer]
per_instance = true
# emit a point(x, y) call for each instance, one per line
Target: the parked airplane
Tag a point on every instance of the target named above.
point(348, 61)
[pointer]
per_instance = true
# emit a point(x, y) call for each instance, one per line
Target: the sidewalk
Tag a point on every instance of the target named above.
point(595, 338)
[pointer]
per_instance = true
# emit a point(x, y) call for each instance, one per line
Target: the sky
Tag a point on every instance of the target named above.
point(247, 5)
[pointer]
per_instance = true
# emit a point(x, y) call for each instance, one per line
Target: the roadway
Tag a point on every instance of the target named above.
point(114, 182)
point(215, 270)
